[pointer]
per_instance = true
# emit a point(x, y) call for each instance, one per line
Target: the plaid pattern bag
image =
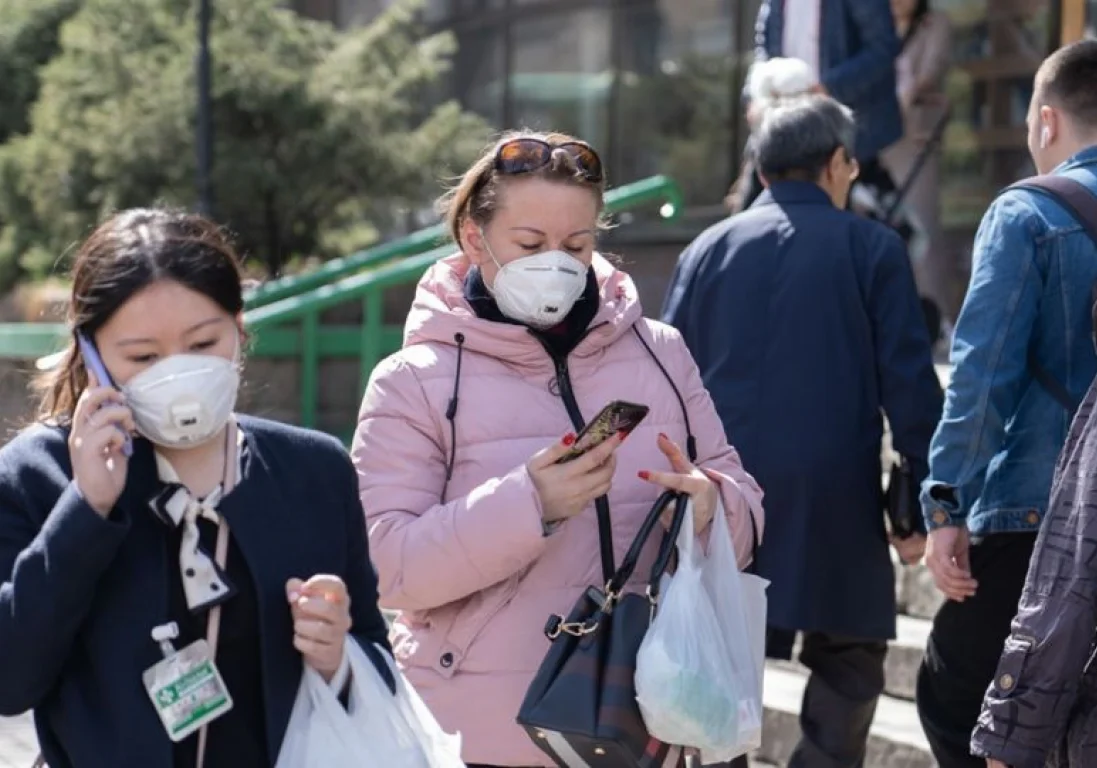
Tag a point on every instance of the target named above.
point(581, 707)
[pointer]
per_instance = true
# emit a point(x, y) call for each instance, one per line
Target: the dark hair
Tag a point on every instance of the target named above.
point(1067, 78)
point(476, 195)
point(916, 18)
point(797, 138)
point(128, 252)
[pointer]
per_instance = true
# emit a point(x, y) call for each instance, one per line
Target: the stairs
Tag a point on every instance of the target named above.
point(896, 739)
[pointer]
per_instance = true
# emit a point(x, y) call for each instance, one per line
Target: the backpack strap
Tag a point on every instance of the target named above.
point(1076, 199)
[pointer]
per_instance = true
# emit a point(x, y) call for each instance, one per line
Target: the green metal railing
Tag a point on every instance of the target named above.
point(377, 339)
point(336, 269)
point(284, 317)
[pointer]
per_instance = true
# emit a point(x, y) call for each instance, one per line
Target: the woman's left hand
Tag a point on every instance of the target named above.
point(686, 478)
point(321, 621)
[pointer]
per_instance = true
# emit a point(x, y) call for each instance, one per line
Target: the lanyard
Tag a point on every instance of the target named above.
point(221, 556)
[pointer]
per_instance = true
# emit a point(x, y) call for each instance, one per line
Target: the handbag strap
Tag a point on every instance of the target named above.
point(667, 548)
point(632, 557)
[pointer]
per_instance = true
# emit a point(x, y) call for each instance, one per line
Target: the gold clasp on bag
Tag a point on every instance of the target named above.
point(573, 628)
point(612, 597)
point(653, 599)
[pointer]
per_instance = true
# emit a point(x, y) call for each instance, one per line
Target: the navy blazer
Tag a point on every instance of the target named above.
point(80, 594)
point(806, 326)
point(858, 46)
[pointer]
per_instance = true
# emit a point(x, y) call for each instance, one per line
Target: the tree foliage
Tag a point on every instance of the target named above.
point(317, 131)
point(28, 39)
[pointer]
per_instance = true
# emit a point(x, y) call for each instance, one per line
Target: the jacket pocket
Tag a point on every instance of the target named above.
point(469, 622)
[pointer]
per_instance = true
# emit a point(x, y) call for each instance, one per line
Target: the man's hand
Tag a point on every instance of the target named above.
point(947, 559)
point(910, 549)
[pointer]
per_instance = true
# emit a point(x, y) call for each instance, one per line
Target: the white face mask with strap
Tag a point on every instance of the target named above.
point(184, 400)
point(538, 290)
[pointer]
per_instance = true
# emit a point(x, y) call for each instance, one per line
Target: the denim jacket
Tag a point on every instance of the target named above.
point(994, 452)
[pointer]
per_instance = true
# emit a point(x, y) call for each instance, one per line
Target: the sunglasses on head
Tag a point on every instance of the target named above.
point(527, 155)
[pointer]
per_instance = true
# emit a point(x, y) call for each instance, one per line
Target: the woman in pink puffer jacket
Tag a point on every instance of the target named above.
point(477, 535)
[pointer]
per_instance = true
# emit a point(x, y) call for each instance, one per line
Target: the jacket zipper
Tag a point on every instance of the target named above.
point(601, 504)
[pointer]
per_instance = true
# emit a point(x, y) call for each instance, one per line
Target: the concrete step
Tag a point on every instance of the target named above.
point(896, 739)
point(901, 665)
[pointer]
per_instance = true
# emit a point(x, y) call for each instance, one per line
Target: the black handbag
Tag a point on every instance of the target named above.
point(904, 510)
point(581, 707)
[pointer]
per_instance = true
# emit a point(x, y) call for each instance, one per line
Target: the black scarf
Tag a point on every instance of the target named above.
point(562, 338)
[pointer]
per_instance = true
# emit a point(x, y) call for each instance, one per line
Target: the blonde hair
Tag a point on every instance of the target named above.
point(476, 195)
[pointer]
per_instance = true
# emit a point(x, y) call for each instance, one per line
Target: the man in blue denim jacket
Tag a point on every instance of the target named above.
point(994, 452)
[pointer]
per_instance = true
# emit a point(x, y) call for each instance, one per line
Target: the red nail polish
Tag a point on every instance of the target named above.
point(643, 474)
point(622, 433)
point(663, 435)
point(569, 438)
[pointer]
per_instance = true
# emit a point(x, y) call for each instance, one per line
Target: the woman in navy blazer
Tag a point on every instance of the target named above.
point(112, 507)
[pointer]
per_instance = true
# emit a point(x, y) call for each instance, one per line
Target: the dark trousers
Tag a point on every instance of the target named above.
point(965, 645)
point(847, 678)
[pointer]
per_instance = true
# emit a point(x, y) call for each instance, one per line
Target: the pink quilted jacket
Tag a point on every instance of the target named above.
point(472, 574)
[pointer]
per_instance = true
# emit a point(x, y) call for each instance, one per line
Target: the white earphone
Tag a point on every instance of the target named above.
point(1045, 137)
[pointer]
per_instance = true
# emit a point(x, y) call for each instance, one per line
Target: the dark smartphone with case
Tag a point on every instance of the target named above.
point(618, 416)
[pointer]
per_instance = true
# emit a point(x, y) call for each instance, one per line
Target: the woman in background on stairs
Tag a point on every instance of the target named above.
point(511, 343)
point(151, 507)
point(921, 72)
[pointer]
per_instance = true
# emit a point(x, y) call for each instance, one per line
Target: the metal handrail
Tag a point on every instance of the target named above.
point(336, 269)
point(656, 189)
point(286, 314)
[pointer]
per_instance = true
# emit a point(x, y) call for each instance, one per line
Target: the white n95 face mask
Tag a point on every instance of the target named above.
point(183, 400)
point(538, 290)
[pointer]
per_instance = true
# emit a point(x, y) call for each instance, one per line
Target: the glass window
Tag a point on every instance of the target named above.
point(561, 74)
point(1091, 18)
point(676, 98)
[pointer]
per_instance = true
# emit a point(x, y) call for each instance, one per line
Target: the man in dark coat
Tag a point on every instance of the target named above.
point(805, 323)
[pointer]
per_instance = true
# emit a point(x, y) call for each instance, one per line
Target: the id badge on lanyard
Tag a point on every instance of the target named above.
point(186, 688)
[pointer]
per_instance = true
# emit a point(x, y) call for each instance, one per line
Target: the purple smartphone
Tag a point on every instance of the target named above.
point(95, 365)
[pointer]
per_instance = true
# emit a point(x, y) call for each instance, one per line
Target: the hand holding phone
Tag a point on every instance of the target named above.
point(618, 417)
point(99, 439)
point(572, 473)
point(94, 364)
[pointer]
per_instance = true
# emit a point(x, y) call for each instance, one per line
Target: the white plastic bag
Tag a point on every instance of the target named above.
point(698, 672)
point(377, 730)
point(739, 601)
